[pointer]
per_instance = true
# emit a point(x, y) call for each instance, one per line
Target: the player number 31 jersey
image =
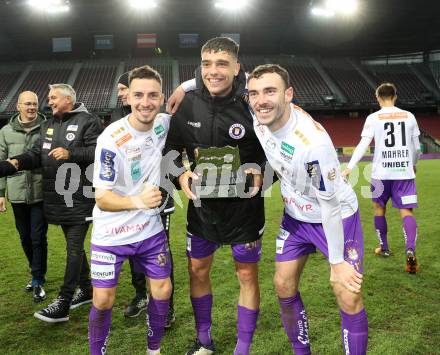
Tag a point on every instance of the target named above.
point(393, 130)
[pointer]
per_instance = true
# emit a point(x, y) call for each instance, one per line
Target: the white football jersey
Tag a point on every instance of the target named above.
point(126, 160)
point(305, 160)
point(393, 130)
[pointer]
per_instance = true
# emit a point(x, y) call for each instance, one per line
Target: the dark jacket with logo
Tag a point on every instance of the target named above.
point(205, 121)
point(67, 190)
point(23, 186)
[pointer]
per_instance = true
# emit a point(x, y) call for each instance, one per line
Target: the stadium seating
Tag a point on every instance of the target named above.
point(187, 67)
point(435, 70)
point(410, 89)
point(94, 84)
point(38, 80)
point(248, 63)
point(7, 80)
point(430, 124)
point(357, 90)
point(309, 87)
point(164, 67)
point(344, 131)
point(96, 78)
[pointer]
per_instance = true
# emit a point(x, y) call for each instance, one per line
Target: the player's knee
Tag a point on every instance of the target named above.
point(198, 272)
point(161, 290)
point(283, 286)
point(350, 302)
point(246, 275)
point(379, 210)
point(103, 301)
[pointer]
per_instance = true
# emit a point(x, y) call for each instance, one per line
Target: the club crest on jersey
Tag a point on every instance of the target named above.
point(149, 142)
point(352, 254)
point(331, 174)
point(162, 259)
point(70, 136)
point(237, 131)
point(270, 144)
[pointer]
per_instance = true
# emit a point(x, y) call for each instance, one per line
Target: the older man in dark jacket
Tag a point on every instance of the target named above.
point(65, 151)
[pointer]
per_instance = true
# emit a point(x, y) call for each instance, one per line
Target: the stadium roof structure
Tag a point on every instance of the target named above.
point(265, 26)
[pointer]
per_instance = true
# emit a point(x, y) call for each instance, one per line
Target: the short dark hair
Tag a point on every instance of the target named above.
point(270, 68)
point(144, 72)
point(386, 91)
point(219, 44)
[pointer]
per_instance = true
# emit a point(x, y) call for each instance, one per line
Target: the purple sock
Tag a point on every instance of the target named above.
point(296, 324)
point(354, 331)
point(99, 330)
point(156, 319)
point(410, 232)
point(380, 223)
point(246, 324)
point(202, 313)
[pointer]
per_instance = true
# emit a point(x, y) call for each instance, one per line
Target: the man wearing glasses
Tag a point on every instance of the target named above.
point(24, 190)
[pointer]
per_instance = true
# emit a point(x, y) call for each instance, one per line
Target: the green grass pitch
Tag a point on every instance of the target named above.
point(403, 310)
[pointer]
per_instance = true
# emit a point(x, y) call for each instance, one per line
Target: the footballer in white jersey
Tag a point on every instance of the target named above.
point(396, 151)
point(396, 146)
point(126, 218)
point(321, 210)
point(126, 161)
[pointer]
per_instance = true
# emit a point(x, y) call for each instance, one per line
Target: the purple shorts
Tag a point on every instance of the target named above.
point(299, 238)
point(199, 248)
point(402, 192)
point(150, 257)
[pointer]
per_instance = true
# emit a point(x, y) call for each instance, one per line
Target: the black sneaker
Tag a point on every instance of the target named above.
point(29, 287)
point(81, 297)
point(199, 349)
point(171, 317)
point(137, 305)
point(56, 312)
point(39, 294)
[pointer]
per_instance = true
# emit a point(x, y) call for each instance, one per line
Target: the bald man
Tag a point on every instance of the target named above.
point(24, 190)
